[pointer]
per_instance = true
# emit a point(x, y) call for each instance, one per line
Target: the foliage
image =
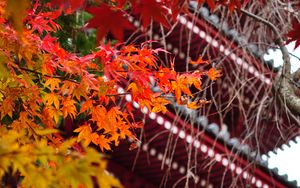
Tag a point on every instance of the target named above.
point(42, 165)
point(48, 93)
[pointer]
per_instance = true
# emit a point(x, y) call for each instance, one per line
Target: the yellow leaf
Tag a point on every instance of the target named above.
point(80, 91)
point(51, 98)
point(134, 89)
point(16, 11)
point(53, 83)
point(85, 132)
point(54, 113)
point(4, 72)
point(193, 105)
point(43, 132)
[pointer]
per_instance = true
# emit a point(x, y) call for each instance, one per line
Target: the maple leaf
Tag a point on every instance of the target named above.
point(159, 105)
point(294, 34)
point(53, 83)
point(101, 117)
point(179, 86)
point(80, 91)
point(69, 5)
point(103, 143)
point(194, 79)
point(197, 104)
point(68, 87)
point(213, 74)
point(193, 105)
point(199, 61)
point(16, 12)
point(176, 7)
point(54, 113)
point(151, 9)
point(69, 108)
point(231, 4)
point(135, 90)
point(48, 68)
point(51, 98)
point(87, 105)
point(85, 132)
point(7, 107)
point(106, 19)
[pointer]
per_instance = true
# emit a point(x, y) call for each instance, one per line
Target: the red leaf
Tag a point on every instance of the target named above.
point(294, 34)
point(151, 9)
point(69, 5)
point(106, 20)
point(231, 4)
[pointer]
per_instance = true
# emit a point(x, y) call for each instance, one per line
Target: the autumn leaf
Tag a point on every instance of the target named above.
point(199, 61)
point(54, 113)
point(87, 105)
point(85, 132)
point(230, 4)
point(103, 143)
point(106, 19)
point(43, 132)
point(135, 90)
point(69, 108)
point(53, 83)
point(51, 98)
point(68, 5)
point(16, 12)
point(80, 91)
point(68, 87)
point(7, 107)
point(294, 34)
point(159, 105)
point(179, 86)
point(194, 105)
point(151, 9)
point(213, 74)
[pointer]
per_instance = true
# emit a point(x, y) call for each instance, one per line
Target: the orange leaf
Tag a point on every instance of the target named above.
point(103, 143)
point(51, 98)
point(199, 61)
point(88, 104)
point(53, 83)
point(135, 91)
point(69, 108)
point(197, 104)
point(213, 74)
point(85, 132)
point(159, 105)
point(193, 105)
point(54, 113)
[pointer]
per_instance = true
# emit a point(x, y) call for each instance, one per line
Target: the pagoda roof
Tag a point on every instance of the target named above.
point(198, 152)
point(172, 149)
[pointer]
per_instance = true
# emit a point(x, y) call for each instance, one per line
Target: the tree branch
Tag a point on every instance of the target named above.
point(283, 84)
point(279, 41)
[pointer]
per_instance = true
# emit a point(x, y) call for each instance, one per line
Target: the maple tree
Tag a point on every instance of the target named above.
point(46, 91)
point(52, 89)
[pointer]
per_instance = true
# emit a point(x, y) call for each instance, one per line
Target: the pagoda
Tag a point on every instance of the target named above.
point(221, 144)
